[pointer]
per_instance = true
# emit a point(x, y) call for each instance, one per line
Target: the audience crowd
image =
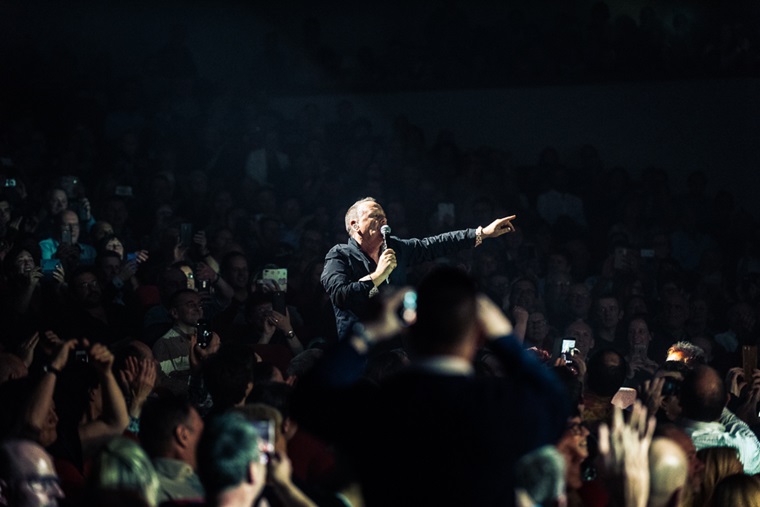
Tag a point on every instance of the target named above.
point(153, 352)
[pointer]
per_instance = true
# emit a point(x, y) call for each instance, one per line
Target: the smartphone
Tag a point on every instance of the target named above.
point(749, 361)
point(186, 234)
point(48, 267)
point(266, 432)
point(80, 355)
point(66, 236)
point(131, 257)
point(279, 276)
point(278, 302)
point(203, 332)
point(568, 344)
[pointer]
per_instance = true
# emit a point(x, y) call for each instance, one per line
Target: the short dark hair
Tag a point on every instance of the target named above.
point(227, 374)
point(227, 447)
point(175, 296)
point(158, 420)
point(446, 309)
point(603, 378)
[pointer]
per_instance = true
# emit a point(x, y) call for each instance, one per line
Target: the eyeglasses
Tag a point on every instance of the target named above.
point(91, 284)
point(42, 484)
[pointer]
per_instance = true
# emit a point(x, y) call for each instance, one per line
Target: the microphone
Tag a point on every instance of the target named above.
point(385, 231)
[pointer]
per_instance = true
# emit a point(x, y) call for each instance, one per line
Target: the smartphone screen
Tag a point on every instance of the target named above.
point(279, 276)
point(186, 234)
point(265, 429)
point(568, 344)
point(278, 302)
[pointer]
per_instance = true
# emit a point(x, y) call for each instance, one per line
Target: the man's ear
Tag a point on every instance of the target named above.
point(180, 435)
point(173, 313)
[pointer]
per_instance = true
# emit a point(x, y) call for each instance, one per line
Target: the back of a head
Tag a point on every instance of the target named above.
point(227, 375)
point(606, 372)
point(227, 447)
point(702, 395)
point(720, 462)
point(446, 310)
point(123, 465)
point(158, 421)
point(668, 471)
point(737, 490)
point(541, 473)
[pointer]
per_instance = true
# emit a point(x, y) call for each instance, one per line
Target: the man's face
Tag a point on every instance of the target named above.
point(237, 273)
point(5, 212)
point(371, 218)
point(676, 311)
point(523, 294)
point(70, 220)
point(114, 245)
point(87, 290)
point(579, 300)
point(584, 337)
point(57, 202)
point(36, 482)
point(188, 309)
point(608, 312)
point(111, 267)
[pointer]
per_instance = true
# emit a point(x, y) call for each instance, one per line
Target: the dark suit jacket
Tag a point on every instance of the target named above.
point(424, 438)
point(345, 264)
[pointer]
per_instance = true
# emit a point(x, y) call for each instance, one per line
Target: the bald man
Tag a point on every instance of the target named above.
point(668, 472)
point(27, 476)
point(709, 423)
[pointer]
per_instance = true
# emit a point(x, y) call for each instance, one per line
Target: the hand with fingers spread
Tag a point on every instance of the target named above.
point(624, 453)
point(139, 379)
point(651, 394)
point(26, 349)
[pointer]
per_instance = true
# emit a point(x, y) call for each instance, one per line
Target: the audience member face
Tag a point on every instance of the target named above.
point(57, 202)
point(675, 312)
point(237, 272)
point(70, 220)
point(608, 312)
point(579, 300)
point(584, 337)
point(114, 245)
point(35, 482)
point(523, 294)
point(100, 230)
point(23, 263)
point(574, 448)
point(638, 335)
point(86, 290)
point(111, 267)
point(187, 309)
point(537, 328)
point(5, 213)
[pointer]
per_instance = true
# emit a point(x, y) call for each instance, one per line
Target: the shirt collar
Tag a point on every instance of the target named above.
point(445, 365)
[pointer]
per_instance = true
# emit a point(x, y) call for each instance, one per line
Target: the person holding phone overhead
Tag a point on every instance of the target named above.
point(356, 271)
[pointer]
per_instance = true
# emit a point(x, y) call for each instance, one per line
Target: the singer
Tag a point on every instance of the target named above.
point(355, 271)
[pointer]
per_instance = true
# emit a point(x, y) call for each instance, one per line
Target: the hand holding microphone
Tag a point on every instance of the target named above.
point(386, 231)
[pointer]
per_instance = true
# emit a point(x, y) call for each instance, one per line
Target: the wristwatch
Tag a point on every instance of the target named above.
point(49, 368)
